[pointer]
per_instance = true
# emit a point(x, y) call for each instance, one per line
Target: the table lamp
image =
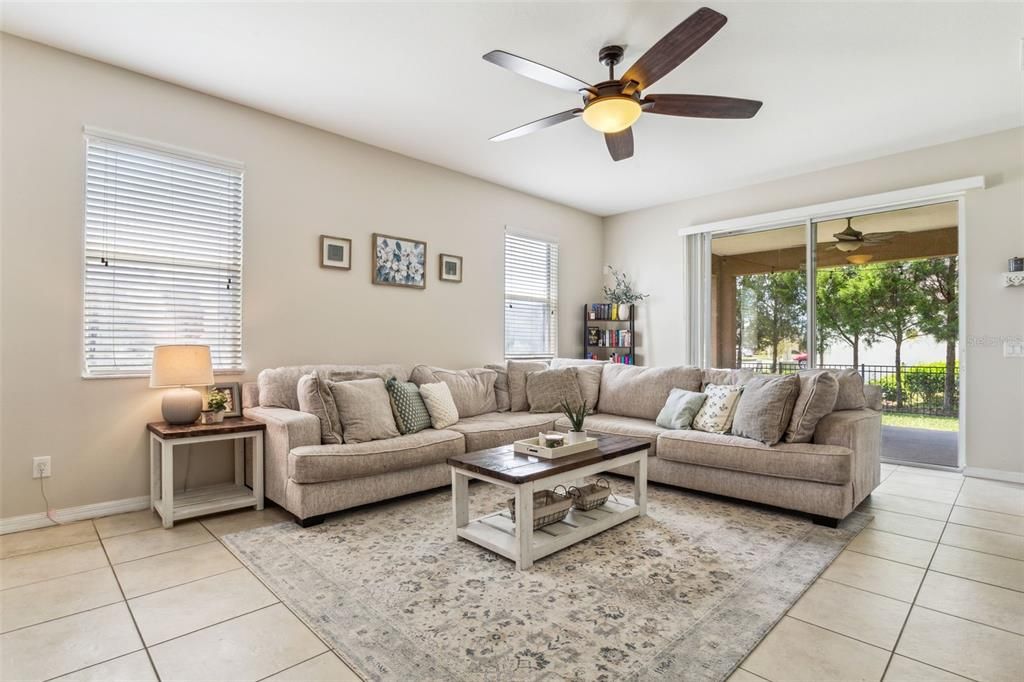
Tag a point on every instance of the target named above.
point(178, 367)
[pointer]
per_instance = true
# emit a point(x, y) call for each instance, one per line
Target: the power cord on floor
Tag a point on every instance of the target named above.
point(51, 513)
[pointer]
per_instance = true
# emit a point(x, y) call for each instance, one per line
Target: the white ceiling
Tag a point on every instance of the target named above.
point(840, 82)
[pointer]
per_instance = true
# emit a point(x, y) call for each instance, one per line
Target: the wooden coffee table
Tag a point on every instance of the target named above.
point(523, 474)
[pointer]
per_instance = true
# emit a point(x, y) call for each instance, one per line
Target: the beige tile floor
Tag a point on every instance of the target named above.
point(932, 590)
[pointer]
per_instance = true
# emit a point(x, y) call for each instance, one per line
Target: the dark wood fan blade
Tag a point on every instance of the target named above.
point(882, 236)
point(675, 48)
point(702, 106)
point(620, 144)
point(539, 124)
point(538, 72)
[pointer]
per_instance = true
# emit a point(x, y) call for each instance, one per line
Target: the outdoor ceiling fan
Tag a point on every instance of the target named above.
point(849, 240)
point(612, 106)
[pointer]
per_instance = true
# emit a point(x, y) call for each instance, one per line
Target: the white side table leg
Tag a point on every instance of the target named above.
point(239, 444)
point(167, 483)
point(460, 502)
point(154, 472)
point(640, 484)
point(524, 526)
point(257, 468)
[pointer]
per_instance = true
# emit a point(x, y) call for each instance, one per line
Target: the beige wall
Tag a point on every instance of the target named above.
point(299, 183)
point(646, 244)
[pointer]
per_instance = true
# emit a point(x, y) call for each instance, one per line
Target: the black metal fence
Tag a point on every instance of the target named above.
point(921, 388)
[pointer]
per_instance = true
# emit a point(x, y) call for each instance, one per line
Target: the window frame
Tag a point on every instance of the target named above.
point(552, 299)
point(190, 155)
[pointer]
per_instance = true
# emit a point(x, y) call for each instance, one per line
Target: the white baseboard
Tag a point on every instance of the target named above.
point(69, 514)
point(994, 474)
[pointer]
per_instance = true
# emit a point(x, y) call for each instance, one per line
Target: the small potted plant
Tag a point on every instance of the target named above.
point(623, 293)
point(575, 414)
point(216, 403)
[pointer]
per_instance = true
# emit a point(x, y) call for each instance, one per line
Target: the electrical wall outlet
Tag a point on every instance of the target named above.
point(1013, 349)
point(41, 467)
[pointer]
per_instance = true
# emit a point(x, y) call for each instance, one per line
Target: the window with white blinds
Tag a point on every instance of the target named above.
point(163, 256)
point(531, 297)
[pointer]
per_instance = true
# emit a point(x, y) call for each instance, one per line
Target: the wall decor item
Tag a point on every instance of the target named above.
point(399, 261)
point(450, 269)
point(1016, 264)
point(335, 252)
point(233, 390)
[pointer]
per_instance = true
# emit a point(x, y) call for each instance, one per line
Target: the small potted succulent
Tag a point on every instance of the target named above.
point(216, 403)
point(575, 414)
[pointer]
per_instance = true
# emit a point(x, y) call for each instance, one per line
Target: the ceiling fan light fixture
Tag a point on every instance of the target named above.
point(611, 114)
point(859, 258)
point(848, 246)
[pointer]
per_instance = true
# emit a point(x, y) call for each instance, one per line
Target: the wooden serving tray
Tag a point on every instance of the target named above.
point(532, 446)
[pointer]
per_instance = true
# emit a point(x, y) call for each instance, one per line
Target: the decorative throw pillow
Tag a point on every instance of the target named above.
point(364, 409)
point(764, 410)
point(680, 409)
point(546, 389)
point(715, 415)
point(471, 389)
point(438, 399)
point(315, 398)
point(851, 389)
point(517, 370)
point(500, 387)
point(725, 377)
point(588, 376)
point(410, 413)
point(818, 392)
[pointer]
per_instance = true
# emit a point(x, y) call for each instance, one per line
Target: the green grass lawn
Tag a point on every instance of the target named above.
point(921, 421)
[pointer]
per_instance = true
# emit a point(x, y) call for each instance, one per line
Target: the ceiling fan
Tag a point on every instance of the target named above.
point(850, 240)
point(612, 106)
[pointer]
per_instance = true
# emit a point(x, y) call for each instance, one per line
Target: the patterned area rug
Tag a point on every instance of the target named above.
point(683, 594)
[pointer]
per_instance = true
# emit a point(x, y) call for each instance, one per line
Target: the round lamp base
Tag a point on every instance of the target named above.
point(182, 406)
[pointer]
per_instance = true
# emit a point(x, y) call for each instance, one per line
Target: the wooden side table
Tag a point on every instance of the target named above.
point(210, 499)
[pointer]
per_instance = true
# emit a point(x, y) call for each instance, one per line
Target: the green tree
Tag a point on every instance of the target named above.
point(894, 298)
point(843, 307)
point(938, 312)
point(775, 307)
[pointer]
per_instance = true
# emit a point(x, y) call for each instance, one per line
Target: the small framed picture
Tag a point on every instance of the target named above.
point(450, 268)
point(335, 252)
point(233, 389)
point(398, 261)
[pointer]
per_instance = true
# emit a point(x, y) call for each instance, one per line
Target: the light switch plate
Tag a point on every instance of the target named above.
point(1013, 349)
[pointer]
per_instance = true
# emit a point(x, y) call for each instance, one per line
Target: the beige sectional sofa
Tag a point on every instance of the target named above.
point(827, 477)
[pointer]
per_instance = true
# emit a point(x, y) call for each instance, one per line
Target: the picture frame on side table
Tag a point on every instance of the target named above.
point(335, 252)
point(450, 268)
point(399, 261)
point(233, 389)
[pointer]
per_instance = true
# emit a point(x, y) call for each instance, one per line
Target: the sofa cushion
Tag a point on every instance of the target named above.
point(851, 389)
point(438, 399)
point(500, 387)
point(614, 425)
point(472, 389)
point(719, 408)
point(680, 409)
point(588, 376)
point(818, 392)
point(486, 431)
point(517, 370)
point(724, 377)
point(641, 392)
point(547, 389)
point(315, 397)
point(803, 461)
point(278, 387)
point(319, 463)
point(406, 404)
point(364, 409)
point(765, 407)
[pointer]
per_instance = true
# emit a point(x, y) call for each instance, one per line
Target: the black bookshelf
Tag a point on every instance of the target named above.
point(605, 334)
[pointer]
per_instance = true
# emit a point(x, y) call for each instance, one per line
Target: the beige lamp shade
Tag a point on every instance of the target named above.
point(181, 366)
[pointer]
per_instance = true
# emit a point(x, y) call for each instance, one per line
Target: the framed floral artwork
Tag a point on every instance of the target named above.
point(398, 261)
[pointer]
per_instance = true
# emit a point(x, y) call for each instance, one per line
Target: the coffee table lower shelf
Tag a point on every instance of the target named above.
point(497, 531)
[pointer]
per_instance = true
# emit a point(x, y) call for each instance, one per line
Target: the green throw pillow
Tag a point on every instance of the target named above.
point(680, 409)
point(410, 413)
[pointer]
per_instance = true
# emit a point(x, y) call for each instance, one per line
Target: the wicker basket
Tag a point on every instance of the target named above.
point(548, 507)
point(591, 496)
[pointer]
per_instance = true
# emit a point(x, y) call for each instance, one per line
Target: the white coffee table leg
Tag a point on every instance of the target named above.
point(640, 485)
point(460, 502)
point(524, 526)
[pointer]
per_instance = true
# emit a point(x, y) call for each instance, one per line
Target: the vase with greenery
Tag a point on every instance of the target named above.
point(216, 404)
point(576, 414)
point(624, 294)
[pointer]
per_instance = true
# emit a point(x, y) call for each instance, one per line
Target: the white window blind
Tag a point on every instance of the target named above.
point(163, 256)
point(531, 297)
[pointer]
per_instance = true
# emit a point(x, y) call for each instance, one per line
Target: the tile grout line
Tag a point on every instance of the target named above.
point(969, 620)
point(973, 580)
point(210, 625)
point(187, 582)
point(67, 615)
point(49, 549)
point(855, 587)
point(267, 677)
point(842, 634)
